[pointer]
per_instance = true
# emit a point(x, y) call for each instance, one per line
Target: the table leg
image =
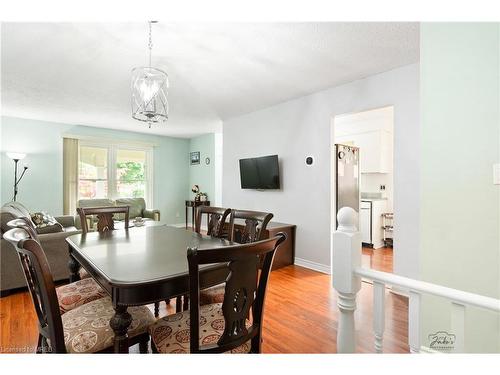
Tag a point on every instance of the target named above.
point(192, 218)
point(74, 267)
point(178, 304)
point(186, 217)
point(120, 323)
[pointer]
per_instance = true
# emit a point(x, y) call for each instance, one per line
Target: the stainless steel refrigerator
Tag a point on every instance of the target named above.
point(347, 177)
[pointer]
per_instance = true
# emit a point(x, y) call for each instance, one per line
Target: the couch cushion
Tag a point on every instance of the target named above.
point(11, 211)
point(136, 206)
point(45, 223)
point(52, 228)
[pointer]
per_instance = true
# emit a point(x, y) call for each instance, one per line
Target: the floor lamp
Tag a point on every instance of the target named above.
point(16, 157)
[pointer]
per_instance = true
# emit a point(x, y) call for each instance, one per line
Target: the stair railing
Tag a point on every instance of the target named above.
point(347, 274)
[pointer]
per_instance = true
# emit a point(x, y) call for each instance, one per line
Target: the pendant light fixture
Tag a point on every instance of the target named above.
point(149, 91)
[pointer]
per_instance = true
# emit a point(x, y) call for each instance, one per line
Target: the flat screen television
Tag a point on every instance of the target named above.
point(260, 173)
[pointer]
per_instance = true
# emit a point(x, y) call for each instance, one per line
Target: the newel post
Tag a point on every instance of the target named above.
point(346, 257)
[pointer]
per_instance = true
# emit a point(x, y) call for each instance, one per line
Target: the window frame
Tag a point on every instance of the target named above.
point(112, 152)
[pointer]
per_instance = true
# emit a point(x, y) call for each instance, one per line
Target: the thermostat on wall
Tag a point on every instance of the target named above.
point(309, 161)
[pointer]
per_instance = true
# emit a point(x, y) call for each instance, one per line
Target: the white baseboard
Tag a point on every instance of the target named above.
point(178, 225)
point(312, 265)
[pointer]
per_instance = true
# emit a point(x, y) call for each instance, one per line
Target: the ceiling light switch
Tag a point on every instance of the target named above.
point(496, 174)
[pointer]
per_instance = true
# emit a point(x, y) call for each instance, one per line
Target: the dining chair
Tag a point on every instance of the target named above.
point(221, 327)
point(104, 215)
point(105, 221)
point(71, 295)
point(216, 227)
point(84, 329)
point(216, 220)
point(254, 229)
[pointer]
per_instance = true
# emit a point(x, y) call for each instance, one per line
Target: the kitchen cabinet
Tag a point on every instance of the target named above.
point(371, 131)
point(375, 150)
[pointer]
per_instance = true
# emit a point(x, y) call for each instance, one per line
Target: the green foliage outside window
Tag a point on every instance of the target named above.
point(132, 172)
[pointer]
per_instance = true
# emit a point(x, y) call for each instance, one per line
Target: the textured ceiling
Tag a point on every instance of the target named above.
point(79, 73)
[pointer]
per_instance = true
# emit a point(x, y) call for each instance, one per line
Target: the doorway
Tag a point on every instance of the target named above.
point(372, 133)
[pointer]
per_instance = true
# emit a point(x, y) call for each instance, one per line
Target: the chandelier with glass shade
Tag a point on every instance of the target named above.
point(149, 91)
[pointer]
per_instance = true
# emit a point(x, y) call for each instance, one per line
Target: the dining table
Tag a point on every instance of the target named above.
point(141, 265)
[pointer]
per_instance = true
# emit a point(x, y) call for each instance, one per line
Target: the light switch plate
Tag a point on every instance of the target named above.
point(496, 174)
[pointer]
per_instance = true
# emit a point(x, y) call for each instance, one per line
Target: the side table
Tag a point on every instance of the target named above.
point(193, 205)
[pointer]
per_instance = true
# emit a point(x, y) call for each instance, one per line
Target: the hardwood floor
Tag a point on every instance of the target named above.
point(301, 314)
point(379, 259)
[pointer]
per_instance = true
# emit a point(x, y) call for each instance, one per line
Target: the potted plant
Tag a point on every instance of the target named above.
point(195, 189)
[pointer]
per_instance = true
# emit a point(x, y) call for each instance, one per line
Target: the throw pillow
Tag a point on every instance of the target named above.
point(45, 223)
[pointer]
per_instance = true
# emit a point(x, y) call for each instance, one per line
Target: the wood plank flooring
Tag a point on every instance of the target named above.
point(379, 259)
point(301, 314)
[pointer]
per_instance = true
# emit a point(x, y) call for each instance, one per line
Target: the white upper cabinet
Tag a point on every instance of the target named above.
point(371, 131)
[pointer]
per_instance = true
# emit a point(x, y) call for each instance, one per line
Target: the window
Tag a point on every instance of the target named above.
point(114, 171)
point(93, 172)
point(131, 173)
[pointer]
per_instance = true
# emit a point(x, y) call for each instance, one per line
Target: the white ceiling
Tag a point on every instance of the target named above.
point(79, 73)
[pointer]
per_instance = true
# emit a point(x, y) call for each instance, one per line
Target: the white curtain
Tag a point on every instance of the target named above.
point(70, 175)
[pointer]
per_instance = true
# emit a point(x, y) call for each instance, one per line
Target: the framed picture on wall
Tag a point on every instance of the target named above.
point(195, 157)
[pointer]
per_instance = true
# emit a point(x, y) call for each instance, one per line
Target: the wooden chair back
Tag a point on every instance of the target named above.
point(26, 224)
point(41, 286)
point(254, 228)
point(105, 220)
point(245, 289)
point(216, 220)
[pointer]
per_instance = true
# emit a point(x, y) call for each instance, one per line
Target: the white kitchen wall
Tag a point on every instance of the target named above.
point(300, 128)
point(370, 183)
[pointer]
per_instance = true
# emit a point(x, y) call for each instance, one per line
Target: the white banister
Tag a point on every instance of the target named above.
point(423, 287)
point(458, 326)
point(346, 257)
point(347, 273)
point(414, 322)
point(379, 315)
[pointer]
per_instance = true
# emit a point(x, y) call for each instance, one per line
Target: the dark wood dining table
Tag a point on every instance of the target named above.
point(141, 265)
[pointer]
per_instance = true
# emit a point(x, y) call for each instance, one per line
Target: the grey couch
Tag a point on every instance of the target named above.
point(137, 207)
point(52, 239)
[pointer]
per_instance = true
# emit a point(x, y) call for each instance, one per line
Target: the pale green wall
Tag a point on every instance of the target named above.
point(42, 186)
point(460, 143)
point(202, 174)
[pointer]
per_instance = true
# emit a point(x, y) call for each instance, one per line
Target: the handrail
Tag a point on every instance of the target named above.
point(347, 274)
point(455, 295)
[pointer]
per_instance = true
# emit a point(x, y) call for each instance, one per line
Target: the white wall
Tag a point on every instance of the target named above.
point(42, 187)
point(301, 127)
point(460, 143)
